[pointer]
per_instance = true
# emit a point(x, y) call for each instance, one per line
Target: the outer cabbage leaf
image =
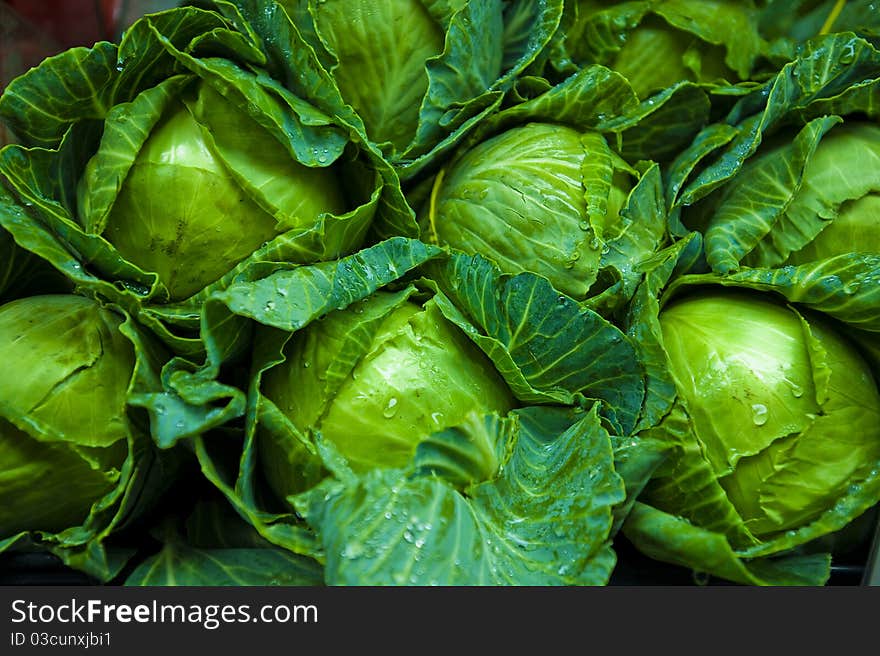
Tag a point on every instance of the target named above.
point(755, 220)
point(545, 519)
point(182, 565)
point(844, 287)
point(832, 74)
point(548, 348)
point(665, 537)
point(76, 82)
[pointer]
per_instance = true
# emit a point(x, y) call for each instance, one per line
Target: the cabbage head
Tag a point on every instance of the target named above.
point(785, 409)
point(374, 380)
point(382, 49)
point(63, 425)
point(657, 45)
point(207, 188)
point(535, 197)
point(415, 75)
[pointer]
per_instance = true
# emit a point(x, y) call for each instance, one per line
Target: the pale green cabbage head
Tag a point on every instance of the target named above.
point(382, 48)
point(375, 380)
point(209, 187)
point(784, 408)
point(63, 424)
point(534, 198)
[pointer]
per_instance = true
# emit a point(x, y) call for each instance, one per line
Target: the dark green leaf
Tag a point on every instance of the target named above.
point(544, 521)
point(181, 565)
point(547, 346)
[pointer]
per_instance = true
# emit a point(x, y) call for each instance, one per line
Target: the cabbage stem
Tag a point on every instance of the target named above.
point(835, 12)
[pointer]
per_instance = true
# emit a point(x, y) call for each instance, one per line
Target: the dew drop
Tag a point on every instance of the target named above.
point(390, 409)
point(759, 414)
point(352, 551)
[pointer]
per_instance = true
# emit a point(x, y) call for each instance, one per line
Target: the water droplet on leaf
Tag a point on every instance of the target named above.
point(759, 414)
point(390, 409)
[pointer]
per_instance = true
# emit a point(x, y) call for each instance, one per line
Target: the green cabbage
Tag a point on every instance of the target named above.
point(227, 187)
point(396, 392)
point(65, 434)
point(382, 50)
point(534, 198)
point(375, 380)
point(784, 408)
point(662, 44)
